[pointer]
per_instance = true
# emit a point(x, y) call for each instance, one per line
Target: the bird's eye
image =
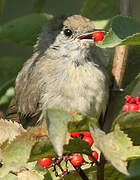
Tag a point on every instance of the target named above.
point(68, 32)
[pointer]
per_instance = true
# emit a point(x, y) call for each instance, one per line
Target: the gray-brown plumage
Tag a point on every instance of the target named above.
point(66, 71)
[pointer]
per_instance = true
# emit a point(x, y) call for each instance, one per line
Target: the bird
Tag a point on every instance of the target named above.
point(66, 71)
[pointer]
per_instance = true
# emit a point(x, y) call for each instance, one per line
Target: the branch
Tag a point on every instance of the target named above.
point(81, 173)
point(100, 168)
point(121, 52)
point(118, 70)
point(126, 7)
point(119, 65)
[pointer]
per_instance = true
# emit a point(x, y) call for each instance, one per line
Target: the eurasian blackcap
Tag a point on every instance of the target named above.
point(66, 72)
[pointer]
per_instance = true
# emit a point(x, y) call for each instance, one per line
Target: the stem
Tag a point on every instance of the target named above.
point(126, 7)
point(119, 65)
point(81, 173)
point(118, 69)
point(100, 168)
point(121, 52)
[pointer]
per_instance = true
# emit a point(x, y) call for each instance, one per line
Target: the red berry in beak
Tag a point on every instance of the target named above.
point(98, 36)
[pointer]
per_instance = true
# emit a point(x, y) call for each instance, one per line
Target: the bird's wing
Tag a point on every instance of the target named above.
point(27, 120)
point(24, 106)
point(12, 112)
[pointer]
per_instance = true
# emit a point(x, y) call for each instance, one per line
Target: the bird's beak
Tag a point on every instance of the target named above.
point(87, 36)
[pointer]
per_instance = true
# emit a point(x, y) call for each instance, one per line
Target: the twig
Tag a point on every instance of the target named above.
point(126, 7)
point(118, 69)
point(100, 168)
point(119, 65)
point(81, 173)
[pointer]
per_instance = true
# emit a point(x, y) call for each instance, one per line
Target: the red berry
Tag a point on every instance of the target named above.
point(74, 113)
point(133, 107)
point(130, 99)
point(88, 139)
point(94, 154)
point(130, 107)
point(86, 133)
point(126, 107)
point(137, 100)
point(75, 134)
point(45, 161)
point(76, 159)
point(98, 35)
point(138, 106)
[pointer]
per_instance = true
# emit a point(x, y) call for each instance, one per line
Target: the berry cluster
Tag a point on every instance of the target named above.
point(98, 35)
point(76, 159)
point(132, 103)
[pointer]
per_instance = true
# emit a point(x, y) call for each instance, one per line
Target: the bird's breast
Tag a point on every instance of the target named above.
point(82, 89)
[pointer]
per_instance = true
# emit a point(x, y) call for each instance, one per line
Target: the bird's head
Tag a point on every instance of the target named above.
point(77, 30)
point(67, 33)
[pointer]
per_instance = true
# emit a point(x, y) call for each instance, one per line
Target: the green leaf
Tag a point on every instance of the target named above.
point(32, 175)
point(41, 149)
point(129, 122)
point(7, 95)
point(133, 65)
point(100, 24)
point(58, 122)
point(104, 9)
point(134, 170)
point(24, 30)
point(10, 176)
point(47, 173)
point(77, 146)
point(9, 67)
point(17, 153)
point(123, 31)
point(116, 147)
point(44, 148)
point(47, 176)
point(9, 130)
point(110, 173)
point(132, 89)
